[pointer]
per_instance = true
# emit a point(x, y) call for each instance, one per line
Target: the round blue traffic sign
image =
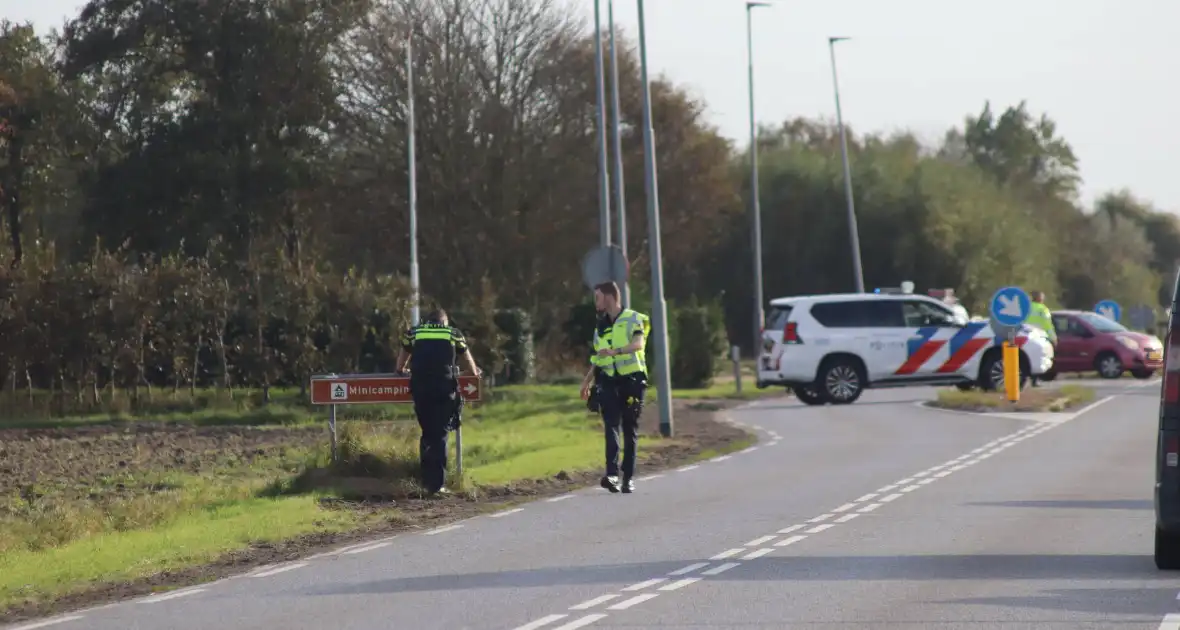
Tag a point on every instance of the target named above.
point(1109, 309)
point(1010, 306)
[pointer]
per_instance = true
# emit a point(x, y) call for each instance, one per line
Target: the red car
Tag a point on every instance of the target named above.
point(1089, 342)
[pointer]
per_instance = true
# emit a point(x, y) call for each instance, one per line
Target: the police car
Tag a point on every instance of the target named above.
point(830, 348)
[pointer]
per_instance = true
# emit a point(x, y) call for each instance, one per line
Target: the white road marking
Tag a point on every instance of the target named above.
point(927, 481)
point(502, 514)
point(868, 497)
point(910, 488)
point(774, 443)
point(820, 518)
point(727, 554)
point(47, 622)
point(793, 528)
point(365, 548)
point(581, 623)
point(639, 586)
point(749, 450)
point(680, 584)
point(847, 517)
point(278, 570)
point(944, 473)
point(591, 603)
point(448, 528)
point(819, 528)
point(638, 599)
point(921, 474)
point(958, 467)
point(891, 497)
point(844, 508)
point(869, 508)
point(902, 482)
point(757, 553)
point(721, 568)
point(692, 567)
point(789, 541)
point(760, 541)
point(886, 488)
point(543, 621)
point(173, 595)
point(722, 458)
point(684, 468)
point(1171, 622)
point(560, 498)
point(656, 476)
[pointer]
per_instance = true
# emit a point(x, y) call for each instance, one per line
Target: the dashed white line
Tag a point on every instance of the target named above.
point(560, 498)
point(721, 568)
point(757, 553)
point(869, 508)
point(581, 623)
point(48, 622)
point(639, 586)
point(278, 570)
point(1171, 622)
point(748, 450)
point(440, 530)
point(760, 541)
point(903, 482)
point(910, 488)
point(366, 548)
point(692, 567)
point(927, 481)
point(650, 477)
point(591, 603)
point(944, 473)
point(793, 528)
point(727, 554)
point(868, 497)
point(684, 468)
point(722, 458)
point(891, 497)
point(172, 595)
point(678, 584)
point(847, 517)
point(543, 621)
point(503, 514)
point(844, 508)
point(789, 541)
point(819, 528)
point(821, 518)
point(918, 475)
point(886, 488)
point(638, 599)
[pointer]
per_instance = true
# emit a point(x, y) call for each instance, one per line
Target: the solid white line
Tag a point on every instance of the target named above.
point(366, 548)
point(757, 553)
point(638, 599)
point(560, 498)
point(690, 568)
point(789, 541)
point(869, 508)
point(727, 554)
point(639, 586)
point(501, 514)
point(847, 517)
point(1087, 408)
point(591, 603)
point(448, 528)
point(650, 477)
point(749, 450)
point(910, 488)
point(533, 625)
point(891, 497)
point(722, 458)
point(47, 622)
point(721, 568)
point(581, 623)
point(759, 541)
point(820, 518)
point(1171, 622)
point(684, 468)
point(172, 595)
point(867, 497)
point(793, 528)
point(679, 584)
point(819, 528)
point(278, 570)
point(844, 508)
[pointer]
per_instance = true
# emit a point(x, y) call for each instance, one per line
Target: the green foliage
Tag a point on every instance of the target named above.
point(520, 360)
point(703, 345)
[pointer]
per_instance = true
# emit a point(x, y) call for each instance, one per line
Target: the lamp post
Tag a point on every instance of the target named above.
point(603, 175)
point(852, 231)
point(415, 306)
point(755, 207)
point(616, 131)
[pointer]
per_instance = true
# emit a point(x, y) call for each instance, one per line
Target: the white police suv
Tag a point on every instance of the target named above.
point(830, 348)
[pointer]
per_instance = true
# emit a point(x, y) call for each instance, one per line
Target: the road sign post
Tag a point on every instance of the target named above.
point(381, 389)
point(1109, 309)
point(1010, 307)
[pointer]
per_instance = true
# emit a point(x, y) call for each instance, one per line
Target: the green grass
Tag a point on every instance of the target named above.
point(1054, 399)
point(92, 525)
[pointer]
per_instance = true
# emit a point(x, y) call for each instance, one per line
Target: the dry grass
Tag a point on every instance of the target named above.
point(1056, 399)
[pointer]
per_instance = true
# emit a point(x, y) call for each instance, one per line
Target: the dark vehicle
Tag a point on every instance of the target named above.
point(1167, 450)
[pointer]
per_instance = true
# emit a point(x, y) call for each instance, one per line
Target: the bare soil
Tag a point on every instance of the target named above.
point(86, 456)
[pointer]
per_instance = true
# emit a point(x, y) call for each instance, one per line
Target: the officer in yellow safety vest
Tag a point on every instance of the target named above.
point(616, 382)
point(1040, 317)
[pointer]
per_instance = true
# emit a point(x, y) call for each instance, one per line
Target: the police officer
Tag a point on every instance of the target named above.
point(618, 374)
point(1041, 317)
point(431, 350)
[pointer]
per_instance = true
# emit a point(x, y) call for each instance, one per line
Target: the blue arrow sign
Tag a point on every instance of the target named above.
point(1109, 309)
point(1010, 306)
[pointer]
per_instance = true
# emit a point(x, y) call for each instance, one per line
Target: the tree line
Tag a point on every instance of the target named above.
point(204, 192)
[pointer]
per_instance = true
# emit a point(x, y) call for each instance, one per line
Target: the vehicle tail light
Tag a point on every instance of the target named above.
point(791, 333)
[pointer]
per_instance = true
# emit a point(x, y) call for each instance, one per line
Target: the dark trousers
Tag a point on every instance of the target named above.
point(434, 400)
point(622, 404)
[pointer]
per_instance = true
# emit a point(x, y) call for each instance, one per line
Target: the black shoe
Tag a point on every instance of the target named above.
point(610, 483)
point(628, 486)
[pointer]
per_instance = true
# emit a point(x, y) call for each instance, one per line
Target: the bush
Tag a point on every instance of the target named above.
point(520, 361)
point(702, 344)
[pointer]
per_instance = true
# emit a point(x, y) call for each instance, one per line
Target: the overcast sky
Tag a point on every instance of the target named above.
point(1105, 70)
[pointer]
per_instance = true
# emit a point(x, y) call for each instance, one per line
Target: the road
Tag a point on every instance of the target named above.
point(882, 514)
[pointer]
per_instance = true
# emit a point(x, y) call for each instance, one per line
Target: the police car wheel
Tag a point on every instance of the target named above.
point(841, 381)
point(808, 395)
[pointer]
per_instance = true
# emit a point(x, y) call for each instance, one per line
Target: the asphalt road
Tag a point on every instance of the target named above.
point(882, 514)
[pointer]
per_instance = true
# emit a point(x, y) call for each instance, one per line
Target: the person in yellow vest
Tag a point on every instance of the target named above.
point(617, 379)
point(1041, 317)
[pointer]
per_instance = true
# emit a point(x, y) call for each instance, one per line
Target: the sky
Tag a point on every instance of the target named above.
point(1099, 68)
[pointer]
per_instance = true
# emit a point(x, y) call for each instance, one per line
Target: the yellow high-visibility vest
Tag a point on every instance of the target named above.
point(619, 336)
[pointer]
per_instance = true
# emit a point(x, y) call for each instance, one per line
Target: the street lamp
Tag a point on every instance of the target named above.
point(755, 208)
point(620, 198)
point(856, 266)
point(415, 307)
point(659, 307)
point(603, 175)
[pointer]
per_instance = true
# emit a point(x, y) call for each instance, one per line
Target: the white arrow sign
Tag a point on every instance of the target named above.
point(1010, 305)
point(1107, 312)
point(470, 389)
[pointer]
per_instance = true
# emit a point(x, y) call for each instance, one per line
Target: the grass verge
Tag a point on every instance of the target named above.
point(117, 504)
point(1057, 399)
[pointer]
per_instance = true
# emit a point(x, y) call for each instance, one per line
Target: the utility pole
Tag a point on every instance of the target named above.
point(415, 304)
point(603, 174)
point(852, 231)
point(755, 206)
point(616, 130)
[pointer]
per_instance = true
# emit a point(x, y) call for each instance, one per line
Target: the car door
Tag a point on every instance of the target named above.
point(930, 331)
point(884, 334)
point(1073, 345)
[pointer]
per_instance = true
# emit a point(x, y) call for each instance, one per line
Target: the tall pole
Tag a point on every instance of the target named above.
point(616, 131)
point(755, 206)
point(415, 306)
point(852, 231)
point(659, 307)
point(603, 174)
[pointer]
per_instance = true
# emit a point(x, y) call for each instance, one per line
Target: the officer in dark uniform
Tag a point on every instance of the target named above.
point(431, 349)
